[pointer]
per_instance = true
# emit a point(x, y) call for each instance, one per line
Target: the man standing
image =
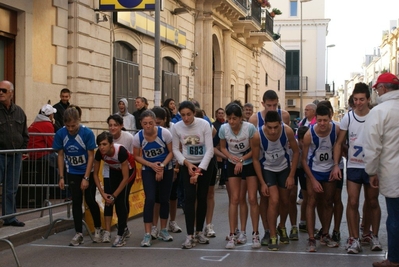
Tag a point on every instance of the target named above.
point(248, 111)
point(13, 135)
point(140, 106)
point(310, 115)
point(317, 162)
point(65, 96)
point(352, 126)
point(381, 157)
point(129, 122)
point(269, 102)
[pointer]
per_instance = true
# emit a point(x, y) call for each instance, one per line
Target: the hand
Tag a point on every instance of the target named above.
point(194, 179)
point(264, 190)
point(374, 182)
point(238, 168)
point(84, 184)
point(108, 201)
point(290, 182)
point(61, 184)
point(317, 186)
point(159, 176)
point(335, 174)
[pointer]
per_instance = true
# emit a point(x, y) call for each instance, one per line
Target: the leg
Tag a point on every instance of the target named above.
point(328, 196)
point(244, 205)
point(392, 229)
point(234, 187)
point(90, 198)
point(149, 186)
point(352, 208)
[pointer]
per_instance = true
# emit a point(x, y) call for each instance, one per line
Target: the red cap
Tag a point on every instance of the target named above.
point(386, 78)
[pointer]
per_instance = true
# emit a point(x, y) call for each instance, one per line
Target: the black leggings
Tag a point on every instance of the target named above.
point(195, 193)
point(77, 198)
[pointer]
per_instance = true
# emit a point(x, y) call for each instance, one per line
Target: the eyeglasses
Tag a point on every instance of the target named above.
point(4, 90)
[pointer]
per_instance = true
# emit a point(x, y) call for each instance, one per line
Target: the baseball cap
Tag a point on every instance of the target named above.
point(48, 110)
point(386, 78)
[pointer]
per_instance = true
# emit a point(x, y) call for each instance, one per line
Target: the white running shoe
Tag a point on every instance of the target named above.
point(106, 237)
point(154, 232)
point(209, 232)
point(174, 227)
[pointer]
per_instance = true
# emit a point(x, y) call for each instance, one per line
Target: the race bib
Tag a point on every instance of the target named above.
point(76, 160)
point(273, 156)
point(196, 150)
point(155, 152)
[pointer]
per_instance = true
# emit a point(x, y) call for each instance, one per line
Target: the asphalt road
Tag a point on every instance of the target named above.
point(55, 251)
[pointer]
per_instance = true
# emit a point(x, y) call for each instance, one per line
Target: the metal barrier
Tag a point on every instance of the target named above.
point(37, 185)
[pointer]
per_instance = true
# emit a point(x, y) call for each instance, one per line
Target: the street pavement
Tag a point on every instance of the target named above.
point(54, 251)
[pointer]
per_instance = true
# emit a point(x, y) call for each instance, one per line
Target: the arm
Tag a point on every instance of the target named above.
point(305, 150)
point(209, 149)
point(90, 160)
point(123, 183)
point(295, 156)
point(96, 178)
point(336, 172)
point(60, 161)
point(255, 147)
point(373, 131)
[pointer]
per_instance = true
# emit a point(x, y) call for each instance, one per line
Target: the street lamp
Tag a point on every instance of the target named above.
point(301, 65)
point(328, 46)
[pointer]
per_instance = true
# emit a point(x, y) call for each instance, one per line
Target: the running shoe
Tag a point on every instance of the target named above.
point(319, 234)
point(231, 243)
point(200, 238)
point(77, 240)
point(355, 247)
point(366, 239)
point(174, 227)
point(106, 237)
point(255, 241)
point(273, 245)
point(375, 244)
point(98, 235)
point(242, 238)
point(294, 233)
point(189, 243)
point(126, 233)
point(119, 241)
point(154, 232)
point(303, 228)
point(311, 246)
point(146, 240)
point(348, 243)
point(265, 239)
point(327, 241)
point(209, 232)
point(164, 235)
point(336, 236)
point(282, 232)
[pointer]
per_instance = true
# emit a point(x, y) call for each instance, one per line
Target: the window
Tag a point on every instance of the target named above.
point(266, 79)
point(247, 93)
point(170, 80)
point(293, 8)
point(292, 70)
point(126, 75)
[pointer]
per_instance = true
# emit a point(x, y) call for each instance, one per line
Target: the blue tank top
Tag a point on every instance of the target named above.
point(261, 121)
point(155, 151)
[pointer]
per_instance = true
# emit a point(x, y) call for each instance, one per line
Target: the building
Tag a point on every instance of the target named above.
point(210, 51)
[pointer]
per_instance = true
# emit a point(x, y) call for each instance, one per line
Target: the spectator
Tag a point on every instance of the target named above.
point(129, 121)
point(65, 96)
point(381, 157)
point(248, 111)
point(13, 135)
point(141, 105)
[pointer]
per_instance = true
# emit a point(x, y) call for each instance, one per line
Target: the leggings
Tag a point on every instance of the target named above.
point(152, 188)
point(195, 193)
point(77, 198)
point(108, 210)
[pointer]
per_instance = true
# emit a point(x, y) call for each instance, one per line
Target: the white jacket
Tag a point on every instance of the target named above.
point(381, 143)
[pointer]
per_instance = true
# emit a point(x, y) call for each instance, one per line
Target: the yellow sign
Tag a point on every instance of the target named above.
point(145, 24)
point(127, 5)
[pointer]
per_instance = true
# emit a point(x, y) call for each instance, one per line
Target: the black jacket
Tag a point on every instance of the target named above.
point(13, 128)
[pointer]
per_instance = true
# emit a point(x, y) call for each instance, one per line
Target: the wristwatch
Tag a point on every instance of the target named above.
point(161, 165)
point(241, 160)
point(112, 197)
point(86, 178)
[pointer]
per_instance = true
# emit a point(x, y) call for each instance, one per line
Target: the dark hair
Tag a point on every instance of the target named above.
point(65, 90)
point(361, 88)
point(167, 102)
point(323, 110)
point(301, 132)
point(216, 112)
point(351, 103)
point(269, 95)
point(196, 103)
point(104, 136)
point(143, 99)
point(199, 113)
point(326, 103)
point(272, 116)
point(163, 114)
point(234, 109)
point(71, 114)
point(187, 104)
point(249, 105)
point(116, 117)
point(147, 113)
point(238, 102)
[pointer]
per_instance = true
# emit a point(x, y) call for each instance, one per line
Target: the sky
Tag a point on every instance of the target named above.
point(355, 29)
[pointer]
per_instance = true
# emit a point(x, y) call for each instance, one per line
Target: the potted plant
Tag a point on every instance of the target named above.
point(275, 11)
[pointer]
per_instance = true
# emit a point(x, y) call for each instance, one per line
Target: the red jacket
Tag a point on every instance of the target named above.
point(40, 125)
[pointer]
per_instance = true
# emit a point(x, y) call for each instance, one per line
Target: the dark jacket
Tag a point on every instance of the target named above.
point(13, 128)
point(59, 115)
point(137, 115)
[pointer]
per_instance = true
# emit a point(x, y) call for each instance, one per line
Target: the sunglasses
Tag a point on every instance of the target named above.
point(4, 90)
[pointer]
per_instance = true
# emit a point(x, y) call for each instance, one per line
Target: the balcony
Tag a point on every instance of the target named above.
point(250, 27)
point(330, 91)
point(292, 83)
